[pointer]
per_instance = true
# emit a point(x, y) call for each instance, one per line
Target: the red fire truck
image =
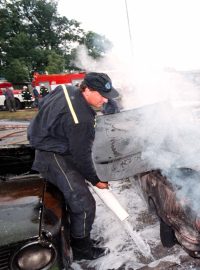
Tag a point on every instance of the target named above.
point(52, 80)
point(19, 102)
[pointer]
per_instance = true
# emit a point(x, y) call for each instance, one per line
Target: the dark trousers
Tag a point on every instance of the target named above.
point(10, 102)
point(36, 102)
point(60, 171)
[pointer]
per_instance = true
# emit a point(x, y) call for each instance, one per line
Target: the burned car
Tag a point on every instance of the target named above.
point(122, 149)
point(33, 218)
point(16, 161)
point(33, 221)
point(177, 210)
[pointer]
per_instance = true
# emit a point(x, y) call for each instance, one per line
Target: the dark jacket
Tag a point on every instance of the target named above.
point(9, 94)
point(54, 129)
point(35, 93)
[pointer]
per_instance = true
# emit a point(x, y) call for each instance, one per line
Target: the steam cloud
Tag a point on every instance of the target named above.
point(170, 128)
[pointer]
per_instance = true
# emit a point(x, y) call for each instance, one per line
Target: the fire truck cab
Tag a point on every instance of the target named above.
point(51, 81)
point(19, 102)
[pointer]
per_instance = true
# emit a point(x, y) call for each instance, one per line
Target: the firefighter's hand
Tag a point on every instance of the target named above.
point(102, 185)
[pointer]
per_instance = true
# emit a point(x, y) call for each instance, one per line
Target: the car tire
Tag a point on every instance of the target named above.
point(152, 206)
point(18, 104)
point(5, 105)
point(167, 235)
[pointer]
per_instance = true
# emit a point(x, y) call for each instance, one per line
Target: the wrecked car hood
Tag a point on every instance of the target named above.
point(145, 138)
point(19, 209)
point(117, 149)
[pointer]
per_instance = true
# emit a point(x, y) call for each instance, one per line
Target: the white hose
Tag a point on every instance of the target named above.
point(109, 199)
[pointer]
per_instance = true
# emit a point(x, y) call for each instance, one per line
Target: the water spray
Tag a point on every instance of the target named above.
point(113, 204)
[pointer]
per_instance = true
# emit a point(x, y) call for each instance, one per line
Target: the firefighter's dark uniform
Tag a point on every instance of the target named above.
point(63, 133)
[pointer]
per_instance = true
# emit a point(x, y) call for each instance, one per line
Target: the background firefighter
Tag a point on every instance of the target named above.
point(43, 91)
point(10, 99)
point(62, 133)
point(26, 97)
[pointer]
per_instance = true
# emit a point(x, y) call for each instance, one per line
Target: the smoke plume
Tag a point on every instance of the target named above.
point(170, 125)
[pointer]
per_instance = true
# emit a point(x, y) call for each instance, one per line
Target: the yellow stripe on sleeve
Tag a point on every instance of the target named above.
point(70, 105)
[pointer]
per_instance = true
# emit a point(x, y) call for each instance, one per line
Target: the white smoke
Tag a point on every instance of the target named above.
point(171, 133)
point(116, 66)
point(169, 128)
point(170, 125)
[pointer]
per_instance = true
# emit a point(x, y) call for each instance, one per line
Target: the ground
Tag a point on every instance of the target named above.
point(26, 114)
point(125, 253)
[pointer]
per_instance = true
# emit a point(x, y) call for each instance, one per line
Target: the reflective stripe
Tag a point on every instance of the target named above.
point(84, 225)
point(70, 105)
point(63, 172)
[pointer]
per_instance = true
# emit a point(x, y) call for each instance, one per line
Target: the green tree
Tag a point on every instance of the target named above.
point(32, 32)
point(55, 63)
point(21, 72)
point(33, 35)
point(96, 44)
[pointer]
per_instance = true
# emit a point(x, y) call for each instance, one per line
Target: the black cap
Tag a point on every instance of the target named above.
point(101, 83)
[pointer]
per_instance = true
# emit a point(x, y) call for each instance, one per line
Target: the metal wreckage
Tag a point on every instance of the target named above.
point(33, 221)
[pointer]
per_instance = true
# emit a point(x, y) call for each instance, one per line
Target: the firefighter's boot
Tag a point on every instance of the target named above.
point(97, 241)
point(83, 248)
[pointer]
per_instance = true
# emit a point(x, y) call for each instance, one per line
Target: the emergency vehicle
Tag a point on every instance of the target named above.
point(19, 102)
point(51, 81)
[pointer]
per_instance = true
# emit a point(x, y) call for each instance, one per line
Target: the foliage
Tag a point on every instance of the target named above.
point(35, 38)
point(17, 71)
point(96, 44)
point(55, 63)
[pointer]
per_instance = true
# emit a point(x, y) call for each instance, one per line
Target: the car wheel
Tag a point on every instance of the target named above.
point(152, 206)
point(5, 105)
point(167, 235)
point(18, 104)
point(22, 105)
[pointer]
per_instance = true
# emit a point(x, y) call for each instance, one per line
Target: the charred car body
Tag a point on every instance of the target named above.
point(119, 152)
point(33, 217)
point(34, 225)
point(178, 213)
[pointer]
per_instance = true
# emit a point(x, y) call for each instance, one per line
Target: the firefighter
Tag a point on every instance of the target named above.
point(10, 99)
point(62, 133)
point(36, 97)
point(43, 90)
point(26, 97)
